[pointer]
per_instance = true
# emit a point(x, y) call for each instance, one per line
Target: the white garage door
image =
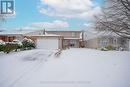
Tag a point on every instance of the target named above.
point(47, 43)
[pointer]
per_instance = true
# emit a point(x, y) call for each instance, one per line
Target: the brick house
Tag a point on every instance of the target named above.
point(46, 39)
point(70, 38)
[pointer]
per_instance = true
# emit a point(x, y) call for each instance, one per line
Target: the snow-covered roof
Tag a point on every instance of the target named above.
point(64, 29)
point(26, 33)
point(16, 32)
point(54, 35)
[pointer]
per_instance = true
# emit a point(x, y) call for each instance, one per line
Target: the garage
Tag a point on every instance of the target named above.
point(47, 41)
point(51, 43)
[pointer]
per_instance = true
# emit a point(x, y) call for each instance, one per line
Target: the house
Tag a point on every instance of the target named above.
point(101, 40)
point(65, 39)
point(46, 39)
point(71, 38)
point(41, 39)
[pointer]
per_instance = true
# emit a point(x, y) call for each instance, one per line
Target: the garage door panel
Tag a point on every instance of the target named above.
point(47, 43)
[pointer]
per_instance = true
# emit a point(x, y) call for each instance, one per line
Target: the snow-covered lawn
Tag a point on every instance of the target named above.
point(73, 68)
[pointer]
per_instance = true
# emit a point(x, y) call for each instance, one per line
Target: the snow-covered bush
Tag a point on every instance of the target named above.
point(12, 46)
point(6, 46)
point(18, 44)
point(2, 44)
point(28, 43)
point(9, 46)
point(104, 49)
point(109, 47)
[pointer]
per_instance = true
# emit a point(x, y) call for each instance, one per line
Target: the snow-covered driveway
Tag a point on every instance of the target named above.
point(73, 68)
point(15, 66)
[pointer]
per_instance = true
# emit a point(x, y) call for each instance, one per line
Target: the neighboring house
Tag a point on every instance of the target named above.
point(70, 38)
point(102, 40)
point(41, 39)
point(8, 36)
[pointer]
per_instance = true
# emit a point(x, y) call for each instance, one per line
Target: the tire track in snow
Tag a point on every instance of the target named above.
point(25, 67)
point(40, 57)
point(31, 69)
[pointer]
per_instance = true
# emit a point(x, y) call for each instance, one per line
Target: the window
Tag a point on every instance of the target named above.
point(104, 42)
point(115, 41)
point(73, 34)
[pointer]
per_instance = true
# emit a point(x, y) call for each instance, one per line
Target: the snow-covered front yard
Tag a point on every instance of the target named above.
point(73, 68)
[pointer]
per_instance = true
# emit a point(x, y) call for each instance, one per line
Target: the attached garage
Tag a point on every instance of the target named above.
point(47, 41)
point(51, 43)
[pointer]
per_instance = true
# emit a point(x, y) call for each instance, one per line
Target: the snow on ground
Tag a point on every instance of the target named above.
point(73, 68)
point(15, 66)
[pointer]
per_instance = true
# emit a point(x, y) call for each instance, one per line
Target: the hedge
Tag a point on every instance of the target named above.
point(16, 44)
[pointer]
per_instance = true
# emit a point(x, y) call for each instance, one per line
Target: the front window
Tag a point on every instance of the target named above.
point(73, 34)
point(115, 41)
point(104, 42)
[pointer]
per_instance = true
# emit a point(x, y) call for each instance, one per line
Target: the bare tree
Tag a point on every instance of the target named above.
point(126, 4)
point(115, 18)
